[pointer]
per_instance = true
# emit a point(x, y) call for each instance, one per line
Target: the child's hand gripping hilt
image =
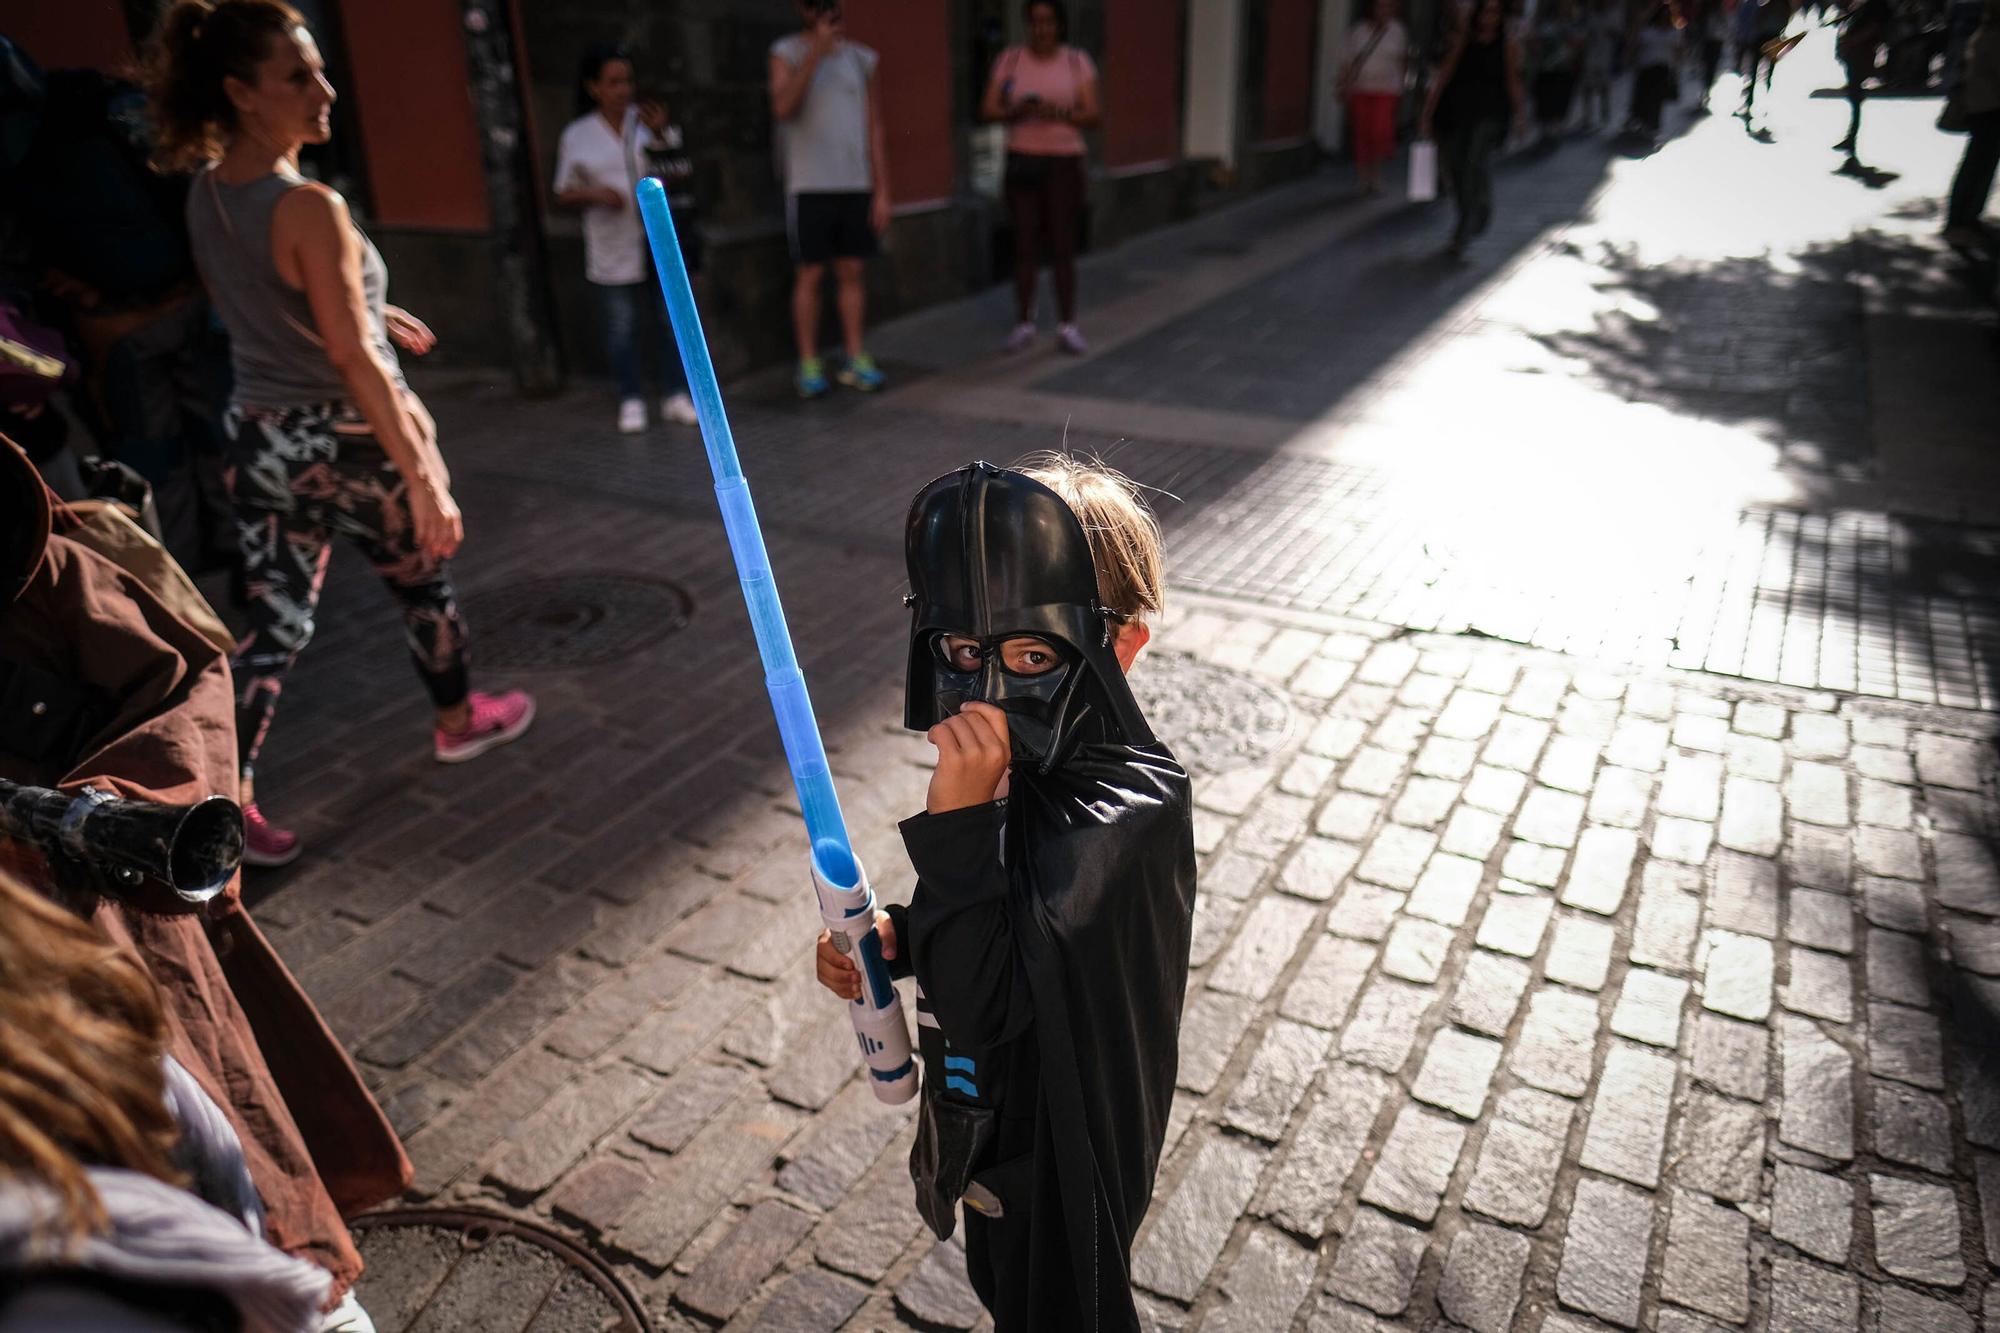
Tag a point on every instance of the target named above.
point(849, 914)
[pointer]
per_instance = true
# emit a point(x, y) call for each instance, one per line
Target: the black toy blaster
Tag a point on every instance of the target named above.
point(162, 858)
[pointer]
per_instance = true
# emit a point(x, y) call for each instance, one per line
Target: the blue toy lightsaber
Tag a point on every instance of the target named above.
point(846, 903)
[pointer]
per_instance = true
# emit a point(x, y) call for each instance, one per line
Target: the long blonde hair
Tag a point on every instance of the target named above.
point(82, 1037)
point(1125, 542)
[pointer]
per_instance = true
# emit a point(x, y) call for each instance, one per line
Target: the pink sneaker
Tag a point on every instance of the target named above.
point(496, 719)
point(264, 843)
point(1070, 339)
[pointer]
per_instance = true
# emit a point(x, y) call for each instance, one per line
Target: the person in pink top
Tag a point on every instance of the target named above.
point(1046, 92)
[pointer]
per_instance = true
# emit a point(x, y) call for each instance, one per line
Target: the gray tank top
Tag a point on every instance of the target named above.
point(279, 358)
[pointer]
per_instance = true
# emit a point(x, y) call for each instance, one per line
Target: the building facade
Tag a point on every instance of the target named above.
point(450, 111)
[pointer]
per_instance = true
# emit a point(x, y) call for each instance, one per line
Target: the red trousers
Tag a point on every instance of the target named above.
point(1371, 122)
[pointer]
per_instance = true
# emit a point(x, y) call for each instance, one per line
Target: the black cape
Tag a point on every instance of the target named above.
point(1053, 971)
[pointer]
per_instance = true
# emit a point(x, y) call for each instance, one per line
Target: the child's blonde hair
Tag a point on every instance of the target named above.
point(1124, 536)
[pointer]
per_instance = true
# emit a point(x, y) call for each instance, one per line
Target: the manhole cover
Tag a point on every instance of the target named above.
point(576, 620)
point(1214, 719)
point(461, 1268)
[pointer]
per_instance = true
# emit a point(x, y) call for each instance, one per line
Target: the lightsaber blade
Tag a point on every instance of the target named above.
point(846, 903)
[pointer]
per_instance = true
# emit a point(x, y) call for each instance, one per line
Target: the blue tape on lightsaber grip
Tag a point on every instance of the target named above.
point(826, 828)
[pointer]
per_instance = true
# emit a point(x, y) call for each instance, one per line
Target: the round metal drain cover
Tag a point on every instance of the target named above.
point(576, 620)
point(1214, 719)
point(453, 1268)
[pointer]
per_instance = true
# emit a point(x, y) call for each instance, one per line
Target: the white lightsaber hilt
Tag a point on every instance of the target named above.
point(877, 1015)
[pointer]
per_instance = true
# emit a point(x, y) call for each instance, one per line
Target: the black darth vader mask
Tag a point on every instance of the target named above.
point(996, 558)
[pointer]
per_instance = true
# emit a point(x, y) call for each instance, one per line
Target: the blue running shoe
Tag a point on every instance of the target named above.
point(811, 379)
point(862, 373)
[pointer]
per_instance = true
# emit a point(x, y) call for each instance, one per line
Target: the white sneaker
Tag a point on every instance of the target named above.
point(1022, 336)
point(679, 408)
point(1070, 339)
point(632, 416)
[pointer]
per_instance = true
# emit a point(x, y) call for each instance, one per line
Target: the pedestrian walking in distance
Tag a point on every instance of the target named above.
point(1374, 69)
point(1656, 57)
point(1046, 92)
point(604, 153)
point(1049, 928)
point(325, 438)
point(826, 98)
point(1978, 98)
point(1473, 102)
point(1560, 41)
point(1604, 37)
point(1863, 29)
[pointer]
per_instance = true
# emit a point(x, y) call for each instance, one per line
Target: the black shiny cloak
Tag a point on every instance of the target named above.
point(1074, 947)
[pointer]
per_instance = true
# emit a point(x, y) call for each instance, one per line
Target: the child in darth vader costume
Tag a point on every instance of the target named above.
point(1048, 931)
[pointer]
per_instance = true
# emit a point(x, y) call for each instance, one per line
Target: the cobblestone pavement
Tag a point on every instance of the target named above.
point(1533, 990)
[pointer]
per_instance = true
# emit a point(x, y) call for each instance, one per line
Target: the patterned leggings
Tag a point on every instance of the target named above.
point(298, 477)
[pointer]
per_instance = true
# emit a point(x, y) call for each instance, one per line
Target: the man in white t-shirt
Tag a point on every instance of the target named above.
point(827, 102)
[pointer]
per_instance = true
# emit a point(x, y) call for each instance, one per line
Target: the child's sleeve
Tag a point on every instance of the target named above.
point(960, 936)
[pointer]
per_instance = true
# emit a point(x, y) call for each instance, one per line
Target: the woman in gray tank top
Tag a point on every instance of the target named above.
point(325, 437)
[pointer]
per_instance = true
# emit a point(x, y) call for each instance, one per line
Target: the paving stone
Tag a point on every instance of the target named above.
point(1569, 764)
point(1736, 975)
point(1348, 815)
point(1708, 1258)
point(1899, 1310)
point(1813, 1211)
point(1385, 1023)
point(938, 1292)
point(1264, 1288)
point(1743, 894)
point(1327, 982)
point(1884, 804)
point(1638, 744)
point(1388, 664)
point(1306, 775)
point(1620, 798)
point(1601, 869)
point(1396, 857)
point(1373, 770)
point(1269, 937)
point(1445, 892)
point(1753, 817)
point(1628, 1116)
point(1649, 1008)
point(1903, 1044)
point(1550, 818)
point(1481, 1284)
point(1495, 789)
point(1817, 794)
point(1664, 929)
point(1911, 1126)
point(1604, 1251)
point(1235, 791)
point(1211, 1025)
point(1377, 1262)
point(1456, 1073)
point(1286, 1062)
point(1472, 833)
point(1365, 911)
point(1234, 875)
point(1818, 1113)
point(1192, 1226)
point(1276, 823)
point(1698, 731)
point(810, 1301)
point(1893, 904)
point(1532, 864)
point(1916, 1230)
point(1516, 1174)
point(597, 1194)
point(842, 1143)
point(1515, 743)
point(1952, 761)
point(1317, 868)
point(1818, 736)
point(1306, 1189)
point(611, 1011)
point(1821, 986)
point(1967, 877)
point(1885, 764)
point(1806, 1298)
point(1468, 715)
point(1425, 802)
point(733, 1270)
point(1691, 787)
point(1897, 969)
point(1580, 954)
point(1756, 718)
point(1515, 924)
point(686, 1102)
point(667, 1038)
point(1731, 1056)
point(557, 1136)
point(1416, 950)
point(1719, 1147)
point(1683, 840)
point(1488, 993)
point(694, 1184)
point(1415, 1165)
point(1818, 858)
point(1444, 757)
point(1554, 1049)
point(1215, 919)
point(1536, 1109)
point(1337, 737)
point(1820, 920)
point(1987, 1170)
point(1755, 758)
point(1539, 693)
point(1975, 945)
point(1881, 851)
